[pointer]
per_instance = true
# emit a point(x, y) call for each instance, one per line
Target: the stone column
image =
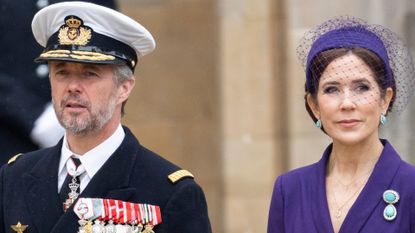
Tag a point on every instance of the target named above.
point(251, 42)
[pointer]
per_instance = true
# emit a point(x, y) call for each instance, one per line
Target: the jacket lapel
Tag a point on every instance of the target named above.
point(319, 206)
point(42, 192)
point(380, 180)
point(111, 181)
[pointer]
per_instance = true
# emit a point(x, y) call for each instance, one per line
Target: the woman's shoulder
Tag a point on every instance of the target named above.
point(406, 171)
point(299, 176)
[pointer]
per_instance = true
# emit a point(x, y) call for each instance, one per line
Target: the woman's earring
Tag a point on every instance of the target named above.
point(383, 119)
point(318, 123)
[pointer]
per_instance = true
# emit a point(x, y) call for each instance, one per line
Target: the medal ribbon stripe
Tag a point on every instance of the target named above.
point(117, 211)
point(138, 214)
point(112, 209)
point(150, 215)
point(142, 213)
point(129, 217)
point(133, 215)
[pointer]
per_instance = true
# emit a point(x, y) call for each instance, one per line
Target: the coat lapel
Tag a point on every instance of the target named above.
point(379, 181)
point(42, 192)
point(111, 181)
point(319, 206)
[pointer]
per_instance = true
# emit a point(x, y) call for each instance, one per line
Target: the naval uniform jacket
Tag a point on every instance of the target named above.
point(24, 90)
point(299, 202)
point(29, 193)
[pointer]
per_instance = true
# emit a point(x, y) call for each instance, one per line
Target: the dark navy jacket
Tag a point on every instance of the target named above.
point(299, 202)
point(24, 92)
point(29, 194)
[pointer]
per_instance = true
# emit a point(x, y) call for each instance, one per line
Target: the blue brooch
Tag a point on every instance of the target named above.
point(391, 197)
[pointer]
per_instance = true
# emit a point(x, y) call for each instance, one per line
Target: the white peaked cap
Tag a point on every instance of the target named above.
point(93, 30)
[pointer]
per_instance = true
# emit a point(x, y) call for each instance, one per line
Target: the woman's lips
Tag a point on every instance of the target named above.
point(349, 123)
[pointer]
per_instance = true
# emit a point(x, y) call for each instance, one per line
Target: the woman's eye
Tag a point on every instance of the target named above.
point(362, 88)
point(329, 90)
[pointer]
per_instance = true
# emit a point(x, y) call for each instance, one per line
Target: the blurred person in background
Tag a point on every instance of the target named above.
point(27, 119)
point(356, 74)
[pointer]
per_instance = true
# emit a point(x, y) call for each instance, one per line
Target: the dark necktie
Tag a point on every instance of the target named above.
point(65, 190)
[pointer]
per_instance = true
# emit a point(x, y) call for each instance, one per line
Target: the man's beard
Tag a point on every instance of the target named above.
point(78, 123)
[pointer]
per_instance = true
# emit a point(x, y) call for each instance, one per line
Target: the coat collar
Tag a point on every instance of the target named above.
point(378, 182)
point(42, 197)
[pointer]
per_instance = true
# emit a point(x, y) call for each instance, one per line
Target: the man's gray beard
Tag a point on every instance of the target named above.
point(93, 123)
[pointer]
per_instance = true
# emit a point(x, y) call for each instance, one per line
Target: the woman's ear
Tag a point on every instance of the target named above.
point(312, 103)
point(387, 100)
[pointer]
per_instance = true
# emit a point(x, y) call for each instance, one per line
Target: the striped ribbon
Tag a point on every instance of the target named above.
point(119, 212)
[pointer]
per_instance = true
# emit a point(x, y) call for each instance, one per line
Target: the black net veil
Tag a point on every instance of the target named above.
point(392, 59)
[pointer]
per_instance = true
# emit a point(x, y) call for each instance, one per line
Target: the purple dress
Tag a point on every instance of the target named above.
point(299, 203)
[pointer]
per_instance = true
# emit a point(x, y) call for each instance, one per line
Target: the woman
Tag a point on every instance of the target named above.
point(355, 75)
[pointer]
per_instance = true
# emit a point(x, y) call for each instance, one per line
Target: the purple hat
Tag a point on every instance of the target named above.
point(348, 37)
point(351, 32)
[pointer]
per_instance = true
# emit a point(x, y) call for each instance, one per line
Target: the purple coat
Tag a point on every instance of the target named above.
point(299, 203)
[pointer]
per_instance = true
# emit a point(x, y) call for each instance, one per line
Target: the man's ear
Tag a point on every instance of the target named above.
point(125, 89)
point(312, 103)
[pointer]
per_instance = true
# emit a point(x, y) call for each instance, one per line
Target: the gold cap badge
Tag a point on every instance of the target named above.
point(74, 32)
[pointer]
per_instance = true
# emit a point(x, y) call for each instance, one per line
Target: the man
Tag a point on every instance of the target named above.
point(26, 115)
point(92, 52)
point(27, 119)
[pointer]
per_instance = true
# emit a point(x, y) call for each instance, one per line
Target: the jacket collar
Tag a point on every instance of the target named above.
point(42, 195)
point(378, 182)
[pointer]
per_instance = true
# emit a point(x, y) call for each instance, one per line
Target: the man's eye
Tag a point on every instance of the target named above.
point(90, 74)
point(61, 72)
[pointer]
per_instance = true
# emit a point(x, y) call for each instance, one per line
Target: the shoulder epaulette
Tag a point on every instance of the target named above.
point(178, 175)
point(14, 158)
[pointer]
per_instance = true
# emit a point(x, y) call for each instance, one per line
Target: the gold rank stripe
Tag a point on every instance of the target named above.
point(56, 53)
point(93, 57)
point(178, 175)
point(80, 55)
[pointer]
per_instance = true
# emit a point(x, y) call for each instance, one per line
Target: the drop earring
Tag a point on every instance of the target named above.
point(318, 123)
point(383, 119)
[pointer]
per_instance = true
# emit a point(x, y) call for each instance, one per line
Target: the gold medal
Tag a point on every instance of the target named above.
point(88, 227)
point(19, 228)
point(148, 229)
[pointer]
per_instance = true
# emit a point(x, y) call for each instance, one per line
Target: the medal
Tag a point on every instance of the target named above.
point(110, 227)
point(115, 216)
point(148, 229)
point(19, 228)
point(75, 172)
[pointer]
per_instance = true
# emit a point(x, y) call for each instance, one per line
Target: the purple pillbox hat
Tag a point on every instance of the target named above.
point(348, 37)
point(352, 32)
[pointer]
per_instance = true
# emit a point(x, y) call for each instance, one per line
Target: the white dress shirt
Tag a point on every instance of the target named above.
point(91, 160)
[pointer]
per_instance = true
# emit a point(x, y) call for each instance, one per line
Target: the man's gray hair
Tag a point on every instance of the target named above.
point(122, 73)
